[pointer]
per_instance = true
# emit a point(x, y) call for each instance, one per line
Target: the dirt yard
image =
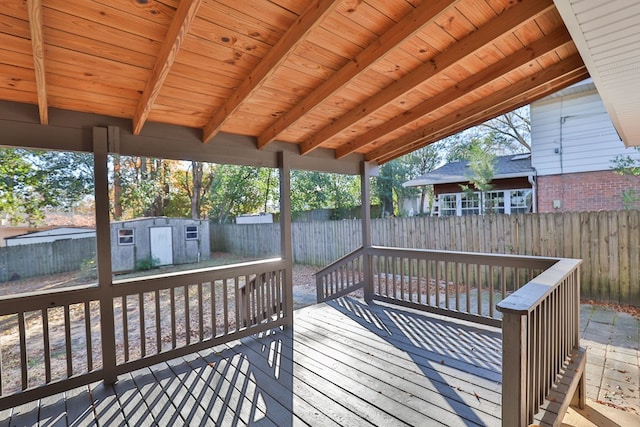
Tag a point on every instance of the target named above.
point(10, 359)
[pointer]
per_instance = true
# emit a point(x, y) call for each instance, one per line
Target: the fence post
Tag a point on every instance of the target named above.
point(514, 369)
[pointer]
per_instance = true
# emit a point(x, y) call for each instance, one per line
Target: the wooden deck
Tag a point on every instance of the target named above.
point(344, 363)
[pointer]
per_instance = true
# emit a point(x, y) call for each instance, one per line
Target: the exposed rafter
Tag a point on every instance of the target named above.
point(542, 83)
point(405, 28)
point(185, 14)
point(295, 35)
point(34, 8)
point(495, 71)
point(505, 23)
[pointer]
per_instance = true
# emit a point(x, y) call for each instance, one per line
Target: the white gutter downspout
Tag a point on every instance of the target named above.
point(532, 178)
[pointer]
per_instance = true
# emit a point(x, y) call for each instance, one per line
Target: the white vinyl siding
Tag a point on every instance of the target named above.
point(573, 133)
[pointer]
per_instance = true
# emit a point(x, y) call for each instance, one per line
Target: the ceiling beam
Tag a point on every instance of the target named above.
point(505, 23)
point(535, 50)
point(503, 108)
point(295, 35)
point(403, 29)
point(517, 94)
point(186, 12)
point(34, 9)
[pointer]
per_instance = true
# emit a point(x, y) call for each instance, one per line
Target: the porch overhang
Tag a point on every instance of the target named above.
point(365, 80)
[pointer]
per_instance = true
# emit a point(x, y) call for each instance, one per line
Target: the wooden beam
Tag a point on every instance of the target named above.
point(34, 9)
point(527, 97)
point(536, 86)
point(493, 72)
point(187, 10)
point(405, 28)
point(505, 23)
point(294, 36)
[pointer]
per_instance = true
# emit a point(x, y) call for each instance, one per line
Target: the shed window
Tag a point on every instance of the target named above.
point(125, 236)
point(192, 232)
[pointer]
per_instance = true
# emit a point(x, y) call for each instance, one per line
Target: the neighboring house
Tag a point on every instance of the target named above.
point(167, 240)
point(513, 188)
point(573, 144)
point(52, 235)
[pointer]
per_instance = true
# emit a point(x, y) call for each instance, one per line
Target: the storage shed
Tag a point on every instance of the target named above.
point(169, 241)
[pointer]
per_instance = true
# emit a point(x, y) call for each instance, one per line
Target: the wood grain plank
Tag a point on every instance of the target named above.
point(176, 34)
point(105, 404)
point(413, 22)
point(79, 407)
point(304, 25)
point(37, 47)
point(471, 43)
point(132, 404)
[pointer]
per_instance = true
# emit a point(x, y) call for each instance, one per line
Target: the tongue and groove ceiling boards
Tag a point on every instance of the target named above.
point(379, 78)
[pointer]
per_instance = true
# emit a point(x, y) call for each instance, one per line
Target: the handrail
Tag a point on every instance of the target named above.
point(156, 318)
point(463, 285)
point(342, 276)
point(540, 332)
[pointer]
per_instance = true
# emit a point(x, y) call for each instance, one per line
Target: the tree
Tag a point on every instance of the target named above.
point(480, 173)
point(144, 186)
point(628, 166)
point(316, 190)
point(420, 162)
point(512, 129)
point(235, 190)
point(31, 181)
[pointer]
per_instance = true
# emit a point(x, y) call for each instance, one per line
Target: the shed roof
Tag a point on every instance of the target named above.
point(512, 166)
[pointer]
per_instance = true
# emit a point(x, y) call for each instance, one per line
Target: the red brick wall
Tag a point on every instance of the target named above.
point(585, 191)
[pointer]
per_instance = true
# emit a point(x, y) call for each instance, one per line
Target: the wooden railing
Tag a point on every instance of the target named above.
point(341, 277)
point(457, 284)
point(540, 341)
point(50, 342)
point(538, 307)
point(53, 342)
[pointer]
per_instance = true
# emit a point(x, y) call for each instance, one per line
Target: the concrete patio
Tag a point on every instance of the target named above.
point(612, 340)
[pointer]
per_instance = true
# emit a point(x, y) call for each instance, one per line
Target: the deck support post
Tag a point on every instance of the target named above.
point(514, 369)
point(101, 139)
point(365, 197)
point(284, 166)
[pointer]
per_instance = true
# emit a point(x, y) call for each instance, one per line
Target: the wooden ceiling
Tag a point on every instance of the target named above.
point(376, 77)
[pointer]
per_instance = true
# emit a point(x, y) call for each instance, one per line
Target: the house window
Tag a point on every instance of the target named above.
point(448, 205)
point(501, 202)
point(125, 236)
point(521, 201)
point(494, 202)
point(469, 204)
point(191, 232)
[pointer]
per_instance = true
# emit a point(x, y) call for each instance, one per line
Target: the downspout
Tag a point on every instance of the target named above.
point(533, 180)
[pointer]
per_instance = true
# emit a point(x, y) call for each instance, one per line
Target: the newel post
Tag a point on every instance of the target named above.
point(365, 196)
point(514, 369)
point(101, 139)
point(286, 250)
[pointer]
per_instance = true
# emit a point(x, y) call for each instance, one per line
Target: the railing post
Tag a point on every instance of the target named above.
point(365, 196)
point(101, 137)
point(284, 165)
point(514, 369)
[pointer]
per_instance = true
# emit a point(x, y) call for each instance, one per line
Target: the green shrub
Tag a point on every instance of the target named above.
point(145, 264)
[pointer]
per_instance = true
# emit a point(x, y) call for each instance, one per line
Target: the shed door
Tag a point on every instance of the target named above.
point(161, 244)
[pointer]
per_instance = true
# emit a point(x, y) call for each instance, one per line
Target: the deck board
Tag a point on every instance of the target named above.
point(344, 363)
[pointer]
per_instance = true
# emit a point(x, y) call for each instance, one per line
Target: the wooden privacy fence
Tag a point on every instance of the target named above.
point(607, 241)
point(40, 259)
